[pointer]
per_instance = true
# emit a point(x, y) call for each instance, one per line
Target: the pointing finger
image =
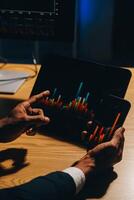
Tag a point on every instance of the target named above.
point(38, 97)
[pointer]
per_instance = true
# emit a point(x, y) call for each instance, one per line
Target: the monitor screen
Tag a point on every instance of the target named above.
point(49, 19)
point(40, 6)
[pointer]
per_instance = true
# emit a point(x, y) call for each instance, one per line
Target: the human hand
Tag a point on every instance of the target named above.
point(104, 155)
point(24, 112)
point(24, 118)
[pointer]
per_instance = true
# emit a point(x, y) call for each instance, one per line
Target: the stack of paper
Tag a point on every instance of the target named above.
point(11, 80)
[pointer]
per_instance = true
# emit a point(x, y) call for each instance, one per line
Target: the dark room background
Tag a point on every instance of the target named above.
point(103, 32)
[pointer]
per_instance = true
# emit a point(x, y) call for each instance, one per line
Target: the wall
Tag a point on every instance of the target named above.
point(95, 29)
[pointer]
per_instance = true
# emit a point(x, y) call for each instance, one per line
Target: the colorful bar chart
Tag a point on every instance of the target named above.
point(100, 133)
point(79, 105)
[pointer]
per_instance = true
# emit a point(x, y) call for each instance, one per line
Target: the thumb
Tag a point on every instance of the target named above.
point(38, 119)
point(118, 136)
point(101, 148)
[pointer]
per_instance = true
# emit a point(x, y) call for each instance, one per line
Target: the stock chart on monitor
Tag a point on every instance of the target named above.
point(49, 19)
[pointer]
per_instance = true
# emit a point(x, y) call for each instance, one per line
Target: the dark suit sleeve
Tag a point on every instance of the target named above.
point(54, 186)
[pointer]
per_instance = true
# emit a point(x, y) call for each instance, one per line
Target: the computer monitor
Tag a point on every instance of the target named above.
point(49, 19)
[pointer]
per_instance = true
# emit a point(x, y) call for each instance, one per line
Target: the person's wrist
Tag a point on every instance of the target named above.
point(86, 164)
point(8, 130)
point(4, 122)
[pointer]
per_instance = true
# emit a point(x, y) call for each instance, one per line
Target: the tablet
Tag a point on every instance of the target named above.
point(65, 74)
point(77, 87)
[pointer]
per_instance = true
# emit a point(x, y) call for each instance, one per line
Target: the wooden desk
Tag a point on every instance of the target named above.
point(25, 90)
point(46, 154)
